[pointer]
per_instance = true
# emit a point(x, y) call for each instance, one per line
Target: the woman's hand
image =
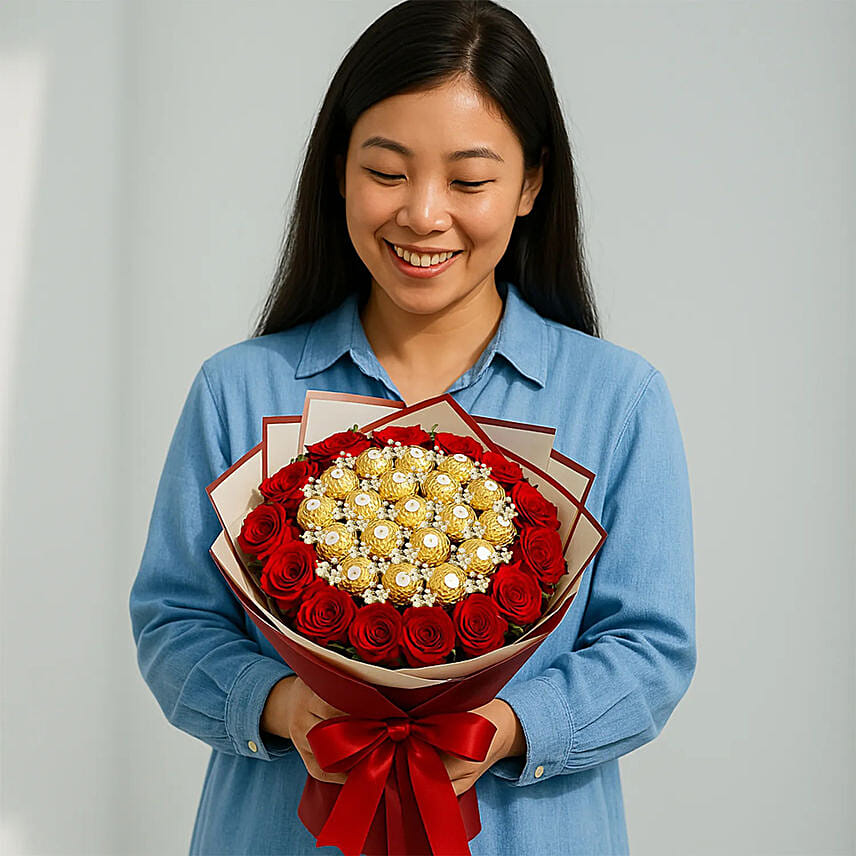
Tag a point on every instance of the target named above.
point(291, 710)
point(508, 741)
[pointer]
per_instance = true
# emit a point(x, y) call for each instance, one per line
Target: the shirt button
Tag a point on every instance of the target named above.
point(252, 745)
point(539, 771)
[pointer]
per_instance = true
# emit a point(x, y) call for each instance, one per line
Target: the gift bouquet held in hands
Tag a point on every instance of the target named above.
point(405, 570)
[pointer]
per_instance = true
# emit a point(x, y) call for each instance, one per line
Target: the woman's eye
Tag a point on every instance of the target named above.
point(394, 177)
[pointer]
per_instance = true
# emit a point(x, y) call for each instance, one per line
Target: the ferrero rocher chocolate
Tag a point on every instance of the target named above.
point(476, 554)
point(358, 573)
point(458, 466)
point(484, 492)
point(498, 529)
point(381, 537)
point(315, 511)
point(458, 518)
point(410, 511)
point(363, 503)
point(415, 459)
point(402, 581)
point(336, 541)
point(440, 487)
point(431, 545)
point(447, 582)
point(339, 481)
point(372, 462)
point(396, 483)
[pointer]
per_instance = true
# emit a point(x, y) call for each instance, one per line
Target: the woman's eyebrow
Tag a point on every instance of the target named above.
point(461, 154)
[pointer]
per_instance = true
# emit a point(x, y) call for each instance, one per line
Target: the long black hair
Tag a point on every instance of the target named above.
point(415, 46)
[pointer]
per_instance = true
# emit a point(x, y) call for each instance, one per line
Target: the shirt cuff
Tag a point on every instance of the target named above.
point(547, 725)
point(244, 705)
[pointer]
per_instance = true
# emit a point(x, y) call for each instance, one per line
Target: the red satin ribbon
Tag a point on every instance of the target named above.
point(398, 758)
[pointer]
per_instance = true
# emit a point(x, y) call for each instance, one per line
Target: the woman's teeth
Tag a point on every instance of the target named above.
point(421, 260)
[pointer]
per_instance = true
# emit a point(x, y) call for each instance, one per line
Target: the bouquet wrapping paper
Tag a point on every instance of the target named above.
point(397, 797)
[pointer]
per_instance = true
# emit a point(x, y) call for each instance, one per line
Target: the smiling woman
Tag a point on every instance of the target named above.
point(435, 247)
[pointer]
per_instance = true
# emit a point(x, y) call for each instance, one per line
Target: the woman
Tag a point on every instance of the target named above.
point(441, 133)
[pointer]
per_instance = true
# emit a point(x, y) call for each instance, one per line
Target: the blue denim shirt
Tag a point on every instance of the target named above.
point(603, 683)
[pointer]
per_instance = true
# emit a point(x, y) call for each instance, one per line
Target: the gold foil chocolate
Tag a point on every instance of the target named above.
point(440, 487)
point(339, 481)
point(447, 582)
point(402, 581)
point(484, 492)
point(415, 459)
point(498, 529)
point(396, 484)
point(431, 545)
point(372, 462)
point(458, 518)
point(458, 466)
point(315, 511)
point(336, 541)
point(358, 573)
point(410, 511)
point(476, 554)
point(381, 537)
point(363, 503)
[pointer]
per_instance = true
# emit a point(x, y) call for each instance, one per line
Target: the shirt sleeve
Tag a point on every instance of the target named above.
point(209, 677)
point(635, 654)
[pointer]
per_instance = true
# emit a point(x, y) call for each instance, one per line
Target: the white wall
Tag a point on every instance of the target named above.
point(147, 153)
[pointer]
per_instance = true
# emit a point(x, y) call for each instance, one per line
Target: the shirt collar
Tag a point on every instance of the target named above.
point(519, 338)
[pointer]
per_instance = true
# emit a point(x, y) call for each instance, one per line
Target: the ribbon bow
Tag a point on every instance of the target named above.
point(398, 758)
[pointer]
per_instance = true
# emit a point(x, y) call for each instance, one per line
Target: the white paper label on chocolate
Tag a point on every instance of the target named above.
point(402, 578)
point(399, 477)
point(412, 505)
point(417, 452)
point(451, 580)
point(374, 454)
point(483, 552)
point(331, 538)
point(460, 511)
point(362, 499)
point(381, 530)
point(442, 478)
point(490, 484)
point(337, 472)
point(430, 540)
point(312, 504)
point(354, 572)
point(459, 457)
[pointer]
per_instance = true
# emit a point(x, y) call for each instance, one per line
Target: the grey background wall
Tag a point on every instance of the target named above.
point(147, 153)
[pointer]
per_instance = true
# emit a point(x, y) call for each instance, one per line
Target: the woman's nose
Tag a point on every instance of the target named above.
point(425, 208)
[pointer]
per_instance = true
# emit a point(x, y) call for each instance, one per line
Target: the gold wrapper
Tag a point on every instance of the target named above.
point(339, 481)
point(372, 462)
point(381, 537)
point(410, 511)
point(484, 492)
point(458, 466)
point(402, 581)
point(458, 518)
point(336, 541)
point(315, 511)
point(440, 487)
point(447, 582)
point(415, 459)
point(363, 503)
point(431, 545)
point(397, 483)
point(498, 529)
point(476, 554)
point(358, 573)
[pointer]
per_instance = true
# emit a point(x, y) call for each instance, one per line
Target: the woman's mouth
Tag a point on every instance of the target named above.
point(418, 272)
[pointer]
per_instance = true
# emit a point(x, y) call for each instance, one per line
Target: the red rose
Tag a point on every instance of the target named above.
point(455, 444)
point(541, 550)
point(427, 635)
point(264, 529)
point(532, 507)
point(286, 484)
point(501, 469)
point(478, 624)
point(288, 571)
point(375, 633)
point(409, 435)
point(324, 616)
point(325, 451)
point(516, 594)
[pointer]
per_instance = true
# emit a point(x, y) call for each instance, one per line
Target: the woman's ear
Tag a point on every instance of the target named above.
point(532, 182)
point(340, 174)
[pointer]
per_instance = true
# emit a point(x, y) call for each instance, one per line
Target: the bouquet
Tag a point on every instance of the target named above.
point(405, 569)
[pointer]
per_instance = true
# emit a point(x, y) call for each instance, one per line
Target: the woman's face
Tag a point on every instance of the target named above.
point(402, 186)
